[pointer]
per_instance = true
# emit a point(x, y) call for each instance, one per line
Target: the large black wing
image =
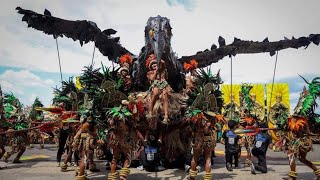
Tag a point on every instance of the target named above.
point(84, 31)
point(208, 57)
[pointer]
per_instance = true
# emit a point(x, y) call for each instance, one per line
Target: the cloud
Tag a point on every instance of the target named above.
point(192, 31)
point(24, 78)
point(26, 85)
point(196, 26)
point(187, 4)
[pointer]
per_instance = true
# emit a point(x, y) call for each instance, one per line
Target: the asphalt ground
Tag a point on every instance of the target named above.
point(39, 164)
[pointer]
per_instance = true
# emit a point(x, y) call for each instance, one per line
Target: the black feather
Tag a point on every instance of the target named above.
point(266, 40)
point(222, 41)
point(236, 40)
point(213, 46)
point(109, 32)
point(47, 13)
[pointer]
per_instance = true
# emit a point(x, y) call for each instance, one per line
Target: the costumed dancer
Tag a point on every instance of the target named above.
point(122, 137)
point(36, 117)
point(201, 115)
point(70, 150)
point(160, 89)
point(203, 141)
point(299, 137)
point(85, 143)
point(299, 143)
point(125, 62)
point(18, 140)
point(250, 115)
point(278, 117)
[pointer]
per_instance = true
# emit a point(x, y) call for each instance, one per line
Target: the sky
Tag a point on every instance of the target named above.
point(29, 62)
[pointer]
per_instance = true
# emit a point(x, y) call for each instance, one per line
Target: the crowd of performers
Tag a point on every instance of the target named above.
point(101, 116)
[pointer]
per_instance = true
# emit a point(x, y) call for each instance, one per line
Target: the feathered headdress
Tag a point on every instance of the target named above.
point(126, 58)
point(151, 60)
point(190, 66)
point(125, 61)
point(297, 123)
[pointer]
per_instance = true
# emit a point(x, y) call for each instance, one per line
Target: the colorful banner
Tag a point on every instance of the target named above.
point(227, 93)
point(258, 91)
point(257, 94)
point(281, 92)
point(278, 95)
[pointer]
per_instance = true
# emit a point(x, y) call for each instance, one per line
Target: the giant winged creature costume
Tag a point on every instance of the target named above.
point(158, 44)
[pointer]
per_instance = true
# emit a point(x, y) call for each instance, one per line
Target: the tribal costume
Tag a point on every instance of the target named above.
point(203, 141)
point(85, 143)
point(18, 145)
point(70, 150)
point(298, 140)
point(201, 117)
point(121, 139)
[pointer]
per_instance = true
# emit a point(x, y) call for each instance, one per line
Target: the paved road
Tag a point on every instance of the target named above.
point(39, 164)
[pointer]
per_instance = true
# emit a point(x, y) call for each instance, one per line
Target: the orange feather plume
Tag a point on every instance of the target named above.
point(220, 118)
point(190, 66)
point(297, 123)
point(126, 58)
point(250, 121)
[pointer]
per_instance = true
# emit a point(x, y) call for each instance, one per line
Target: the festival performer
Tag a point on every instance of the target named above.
point(36, 117)
point(203, 141)
point(70, 150)
point(298, 140)
point(201, 116)
point(191, 80)
point(251, 114)
point(262, 141)
point(18, 143)
point(278, 117)
point(85, 143)
point(121, 139)
point(231, 141)
point(160, 89)
point(64, 131)
point(125, 62)
point(18, 140)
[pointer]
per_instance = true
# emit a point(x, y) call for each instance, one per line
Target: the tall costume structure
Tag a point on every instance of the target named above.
point(164, 70)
